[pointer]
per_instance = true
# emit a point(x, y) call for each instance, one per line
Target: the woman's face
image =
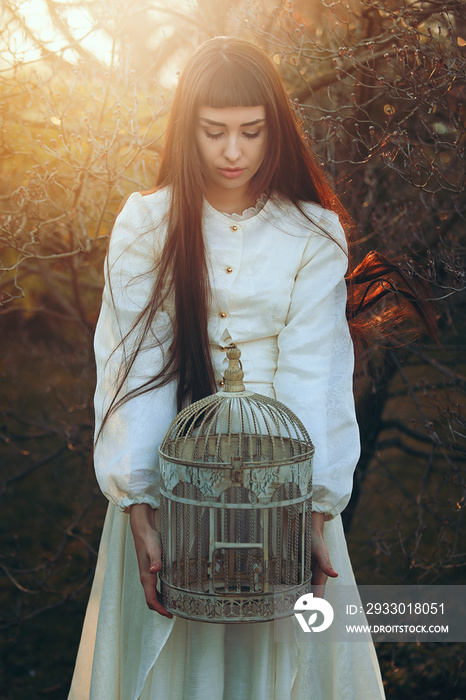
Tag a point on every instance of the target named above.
point(231, 143)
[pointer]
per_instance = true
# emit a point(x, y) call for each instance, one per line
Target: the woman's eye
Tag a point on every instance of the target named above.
point(213, 135)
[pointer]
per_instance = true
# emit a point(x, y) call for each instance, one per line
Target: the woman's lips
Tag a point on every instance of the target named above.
point(231, 172)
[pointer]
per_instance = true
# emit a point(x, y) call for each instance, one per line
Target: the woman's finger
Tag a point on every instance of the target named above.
point(149, 583)
point(321, 557)
point(148, 547)
point(320, 565)
point(155, 597)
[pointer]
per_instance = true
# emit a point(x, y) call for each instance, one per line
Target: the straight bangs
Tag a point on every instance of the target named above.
point(232, 85)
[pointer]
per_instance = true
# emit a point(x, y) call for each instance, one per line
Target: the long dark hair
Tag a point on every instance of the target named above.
point(223, 72)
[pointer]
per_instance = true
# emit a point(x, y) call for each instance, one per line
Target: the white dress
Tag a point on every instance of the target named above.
point(278, 292)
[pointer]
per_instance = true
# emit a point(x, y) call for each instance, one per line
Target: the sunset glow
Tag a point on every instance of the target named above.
point(29, 25)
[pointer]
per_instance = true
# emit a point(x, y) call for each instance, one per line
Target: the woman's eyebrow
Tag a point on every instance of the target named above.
point(214, 123)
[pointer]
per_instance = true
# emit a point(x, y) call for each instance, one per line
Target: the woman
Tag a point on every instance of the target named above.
point(241, 241)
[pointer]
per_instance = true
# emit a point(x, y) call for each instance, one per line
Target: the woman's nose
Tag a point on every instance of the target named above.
point(232, 149)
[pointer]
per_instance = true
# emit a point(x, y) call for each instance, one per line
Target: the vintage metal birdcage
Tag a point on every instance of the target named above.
point(236, 498)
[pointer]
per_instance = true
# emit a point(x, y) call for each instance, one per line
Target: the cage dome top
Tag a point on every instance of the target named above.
point(236, 428)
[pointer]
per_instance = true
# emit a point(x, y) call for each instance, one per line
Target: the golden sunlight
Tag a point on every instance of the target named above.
point(33, 29)
point(34, 32)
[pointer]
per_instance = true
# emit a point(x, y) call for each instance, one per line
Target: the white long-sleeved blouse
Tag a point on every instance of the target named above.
point(278, 292)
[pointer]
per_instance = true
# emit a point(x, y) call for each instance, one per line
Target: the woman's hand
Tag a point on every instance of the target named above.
point(320, 560)
point(149, 553)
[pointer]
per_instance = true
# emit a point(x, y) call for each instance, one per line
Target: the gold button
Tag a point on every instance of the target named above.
point(222, 314)
point(229, 269)
point(221, 382)
point(234, 227)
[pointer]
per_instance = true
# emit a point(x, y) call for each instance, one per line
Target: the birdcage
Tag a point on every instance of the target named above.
point(236, 499)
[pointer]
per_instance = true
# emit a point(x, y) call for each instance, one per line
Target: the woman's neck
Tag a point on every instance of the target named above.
point(229, 201)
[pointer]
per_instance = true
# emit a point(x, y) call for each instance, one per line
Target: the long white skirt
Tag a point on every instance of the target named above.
point(128, 652)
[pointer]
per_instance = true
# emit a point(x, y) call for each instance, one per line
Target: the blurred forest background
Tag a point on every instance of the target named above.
point(85, 86)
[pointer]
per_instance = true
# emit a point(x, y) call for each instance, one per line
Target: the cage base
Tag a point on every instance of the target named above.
point(231, 609)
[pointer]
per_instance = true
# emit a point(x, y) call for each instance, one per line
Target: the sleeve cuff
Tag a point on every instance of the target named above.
point(328, 506)
point(326, 514)
point(125, 503)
